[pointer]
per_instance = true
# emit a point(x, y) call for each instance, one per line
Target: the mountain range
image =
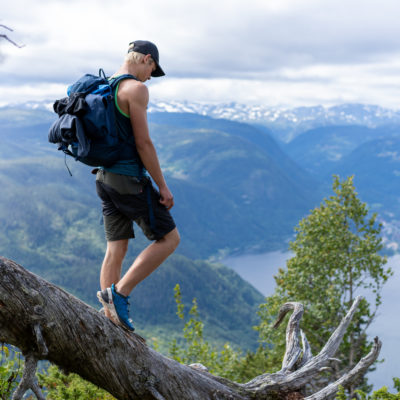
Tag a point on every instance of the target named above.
point(51, 223)
point(284, 123)
point(306, 144)
point(240, 185)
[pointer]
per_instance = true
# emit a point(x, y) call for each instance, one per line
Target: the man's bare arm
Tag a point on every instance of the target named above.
point(137, 103)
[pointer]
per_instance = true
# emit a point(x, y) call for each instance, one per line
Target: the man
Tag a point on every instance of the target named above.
point(127, 193)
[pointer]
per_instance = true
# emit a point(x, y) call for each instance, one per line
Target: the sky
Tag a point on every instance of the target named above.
point(283, 53)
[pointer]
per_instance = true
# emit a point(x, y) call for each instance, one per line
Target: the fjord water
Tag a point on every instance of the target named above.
point(259, 270)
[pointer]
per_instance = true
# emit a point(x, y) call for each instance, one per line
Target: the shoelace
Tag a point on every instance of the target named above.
point(127, 305)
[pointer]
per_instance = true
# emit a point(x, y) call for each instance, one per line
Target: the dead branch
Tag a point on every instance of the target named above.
point(56, 326)
point(3, 36)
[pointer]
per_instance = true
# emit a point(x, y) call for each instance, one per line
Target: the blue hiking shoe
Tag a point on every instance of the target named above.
point(117, 305)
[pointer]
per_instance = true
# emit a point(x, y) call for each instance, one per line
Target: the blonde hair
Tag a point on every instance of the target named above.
point(134, 57)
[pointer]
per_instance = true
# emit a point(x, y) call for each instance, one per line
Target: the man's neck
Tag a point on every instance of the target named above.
point(127, 68)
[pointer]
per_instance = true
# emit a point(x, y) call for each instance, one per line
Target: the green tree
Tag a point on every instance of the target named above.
point(380, 394)
point(336, 257)
point(224, 362)
point(11, 365)
point(70, 387)
point(55, 384)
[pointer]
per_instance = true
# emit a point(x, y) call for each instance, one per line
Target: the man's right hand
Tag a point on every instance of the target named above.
point(167, 199)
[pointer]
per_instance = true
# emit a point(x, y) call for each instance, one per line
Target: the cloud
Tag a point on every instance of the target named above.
point(31, 92)
point(256, 44)
point(297, 92)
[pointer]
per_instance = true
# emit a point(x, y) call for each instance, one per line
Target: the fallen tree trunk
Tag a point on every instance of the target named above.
point(46, 322)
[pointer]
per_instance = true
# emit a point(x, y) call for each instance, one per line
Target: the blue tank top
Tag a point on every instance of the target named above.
point(132, 167)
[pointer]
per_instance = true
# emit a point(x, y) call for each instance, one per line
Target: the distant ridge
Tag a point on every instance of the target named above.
point(285, 123)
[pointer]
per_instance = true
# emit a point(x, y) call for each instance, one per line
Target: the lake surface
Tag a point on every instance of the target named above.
point(259, 269)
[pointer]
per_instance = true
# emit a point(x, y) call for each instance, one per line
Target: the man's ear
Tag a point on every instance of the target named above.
point(146, 58)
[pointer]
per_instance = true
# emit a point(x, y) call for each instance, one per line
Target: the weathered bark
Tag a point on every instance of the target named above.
point(46, 322)
point(28, 380)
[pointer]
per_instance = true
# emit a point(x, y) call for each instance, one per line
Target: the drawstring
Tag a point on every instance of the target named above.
point(149, 203)
point(65, 162)
point(148, 194)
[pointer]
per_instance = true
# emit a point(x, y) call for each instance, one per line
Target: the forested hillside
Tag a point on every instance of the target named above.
point(52, 224)
point(236, 191)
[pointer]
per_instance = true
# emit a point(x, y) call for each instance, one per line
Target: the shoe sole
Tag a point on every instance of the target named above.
point(111, 308)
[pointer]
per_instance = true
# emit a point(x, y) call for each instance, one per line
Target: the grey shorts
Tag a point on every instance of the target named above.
point(125, 200)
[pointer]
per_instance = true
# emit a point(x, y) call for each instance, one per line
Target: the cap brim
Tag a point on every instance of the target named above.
point(158, 72)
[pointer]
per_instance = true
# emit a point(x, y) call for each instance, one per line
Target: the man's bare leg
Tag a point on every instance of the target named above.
point(112, 264)
point(147, 261)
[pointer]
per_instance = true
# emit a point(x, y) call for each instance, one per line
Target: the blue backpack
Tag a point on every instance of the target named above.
point(86, 128)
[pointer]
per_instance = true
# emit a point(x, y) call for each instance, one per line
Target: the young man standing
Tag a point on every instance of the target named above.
point(127, 193)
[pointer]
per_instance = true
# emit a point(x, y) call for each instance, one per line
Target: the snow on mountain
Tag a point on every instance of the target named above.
point(284, 123)
point(287, 123)
point(370, 115)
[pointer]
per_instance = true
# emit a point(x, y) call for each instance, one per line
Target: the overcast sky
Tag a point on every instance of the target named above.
point(269, 52)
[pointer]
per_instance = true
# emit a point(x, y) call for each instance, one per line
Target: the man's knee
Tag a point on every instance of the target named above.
point(172, 238)
point(117, 249)
point(177, 238)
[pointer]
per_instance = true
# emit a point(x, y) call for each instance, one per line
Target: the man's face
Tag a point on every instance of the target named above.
point(148, 68)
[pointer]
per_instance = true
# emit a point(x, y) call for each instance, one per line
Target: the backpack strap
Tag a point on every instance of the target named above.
point(114, 81)
point(102, 74)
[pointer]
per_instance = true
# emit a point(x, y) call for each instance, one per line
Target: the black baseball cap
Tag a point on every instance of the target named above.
point(145, 47)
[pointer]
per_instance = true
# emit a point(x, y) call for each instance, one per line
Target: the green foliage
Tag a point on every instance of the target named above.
point(196, 349)
point(11, 366)
point(380, 394)
point(70, 387)
point(336, 256)
point(227, 362)
point(341, 395)
point(56, 385)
